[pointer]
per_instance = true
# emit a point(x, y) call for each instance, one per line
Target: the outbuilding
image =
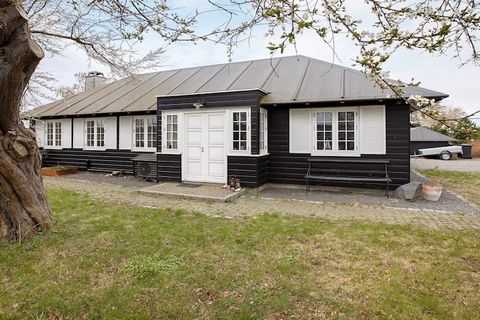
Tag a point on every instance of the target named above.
point(260, 121)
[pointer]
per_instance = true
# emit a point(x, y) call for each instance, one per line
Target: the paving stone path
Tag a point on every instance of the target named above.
point(252, 205)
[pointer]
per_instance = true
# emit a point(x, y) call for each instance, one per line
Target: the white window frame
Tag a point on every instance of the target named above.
point(335, 151)
point(145, 133)
point(263, 149)
point(180, 132)
point(249, 134)
point(95, 134)
point(56, 143)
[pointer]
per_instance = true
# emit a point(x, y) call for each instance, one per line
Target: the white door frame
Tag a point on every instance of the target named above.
point(204, 139)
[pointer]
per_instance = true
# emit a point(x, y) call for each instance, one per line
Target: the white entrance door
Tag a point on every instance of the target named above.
point(205, 156)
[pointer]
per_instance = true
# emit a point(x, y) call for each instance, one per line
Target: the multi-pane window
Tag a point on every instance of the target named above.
point(151, 132)
point(54, 133)
point(140, 133)
point(171, 131)
point(100, 133)
point(95, 133)
point(263, 130)
point(324, 123)
point(335, 131)
point(346, 130)
point(240, 130)
point(145, 130)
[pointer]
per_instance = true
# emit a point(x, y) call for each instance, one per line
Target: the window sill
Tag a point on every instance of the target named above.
point(144, 149)
point(94, 148)
point(53, 148)
point(335, 154)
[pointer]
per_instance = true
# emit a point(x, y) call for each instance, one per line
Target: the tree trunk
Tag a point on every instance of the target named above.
point(24, 209)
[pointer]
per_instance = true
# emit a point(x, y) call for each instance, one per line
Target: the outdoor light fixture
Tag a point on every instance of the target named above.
point(199, 104)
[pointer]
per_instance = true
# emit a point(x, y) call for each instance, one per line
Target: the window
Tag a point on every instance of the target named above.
point(335, 131)
point(324, 130)
point(145, 133)
point(95, 133)
point(171, 131)
point(54, 134)
point(263, 130)
point(239, 130)
point(346, 130)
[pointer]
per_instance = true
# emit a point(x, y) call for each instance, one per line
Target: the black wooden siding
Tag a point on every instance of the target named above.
point(103, 161)
point(252, 171)
point(289, 168)
point(169, 167)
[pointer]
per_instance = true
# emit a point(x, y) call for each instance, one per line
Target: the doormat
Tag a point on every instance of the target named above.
point(189, 185)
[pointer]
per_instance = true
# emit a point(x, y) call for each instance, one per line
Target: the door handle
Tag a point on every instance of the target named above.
point(202, 149)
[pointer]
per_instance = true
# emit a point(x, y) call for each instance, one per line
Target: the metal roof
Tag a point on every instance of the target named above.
point(285, 79)
point(424, 134)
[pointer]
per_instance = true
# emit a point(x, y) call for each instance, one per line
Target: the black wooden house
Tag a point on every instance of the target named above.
point(260, 121)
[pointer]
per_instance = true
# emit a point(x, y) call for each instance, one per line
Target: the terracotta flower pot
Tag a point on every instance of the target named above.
point(432, 191)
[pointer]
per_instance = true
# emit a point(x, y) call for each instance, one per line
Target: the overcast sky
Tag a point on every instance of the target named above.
point(439, 73)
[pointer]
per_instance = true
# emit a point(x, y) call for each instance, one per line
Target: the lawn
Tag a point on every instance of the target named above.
point(464, 183)
point(107, 261)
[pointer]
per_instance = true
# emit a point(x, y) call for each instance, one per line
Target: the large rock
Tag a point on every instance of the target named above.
point(410, 191)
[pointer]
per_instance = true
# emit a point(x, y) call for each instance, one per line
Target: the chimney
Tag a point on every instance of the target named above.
point(93, 80)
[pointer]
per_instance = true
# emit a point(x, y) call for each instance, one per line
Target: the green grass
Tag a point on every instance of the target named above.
point(107, 261)
point(464, 183)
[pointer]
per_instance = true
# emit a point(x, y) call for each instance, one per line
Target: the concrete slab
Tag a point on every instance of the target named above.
point(209, 192)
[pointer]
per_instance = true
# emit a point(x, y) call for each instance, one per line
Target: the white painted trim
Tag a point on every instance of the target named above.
point(291, 148)
point(335, 152)
point(182, 129)
point(265, 133)
point(180, 119)
point(249, 131)
point(145, 132)
point(62, 132)
point(95, 147)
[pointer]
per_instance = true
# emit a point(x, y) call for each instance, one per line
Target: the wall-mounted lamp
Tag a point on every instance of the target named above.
point(199, 104)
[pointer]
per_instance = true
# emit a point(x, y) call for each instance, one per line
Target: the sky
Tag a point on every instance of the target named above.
point(439, 73)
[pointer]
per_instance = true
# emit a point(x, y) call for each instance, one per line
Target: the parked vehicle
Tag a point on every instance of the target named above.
point(444, 153)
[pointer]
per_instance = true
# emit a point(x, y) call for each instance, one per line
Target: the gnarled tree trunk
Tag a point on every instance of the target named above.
point(24, 208)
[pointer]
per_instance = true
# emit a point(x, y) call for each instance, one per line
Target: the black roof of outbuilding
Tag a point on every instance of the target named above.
point(425, 134)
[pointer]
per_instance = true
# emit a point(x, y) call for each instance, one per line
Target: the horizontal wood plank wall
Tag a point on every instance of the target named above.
point(291, 168)
point(169, 167)
point(103, 161)
point(252, 171)
point(212, 100)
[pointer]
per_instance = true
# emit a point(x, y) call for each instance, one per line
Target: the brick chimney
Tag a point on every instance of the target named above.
point(94, 79)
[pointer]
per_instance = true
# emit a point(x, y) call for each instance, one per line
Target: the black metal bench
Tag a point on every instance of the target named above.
point(371, 175)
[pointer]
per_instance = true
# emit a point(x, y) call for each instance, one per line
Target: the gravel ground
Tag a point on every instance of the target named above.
point(252, 205)
point(466, 165)
point(449, 201)
point(125, 181)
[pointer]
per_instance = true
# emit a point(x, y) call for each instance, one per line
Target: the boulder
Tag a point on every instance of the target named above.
point(410, 191)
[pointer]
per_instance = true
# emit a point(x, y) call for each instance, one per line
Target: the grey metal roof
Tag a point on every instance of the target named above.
point(424, 134)
point(286, 79)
